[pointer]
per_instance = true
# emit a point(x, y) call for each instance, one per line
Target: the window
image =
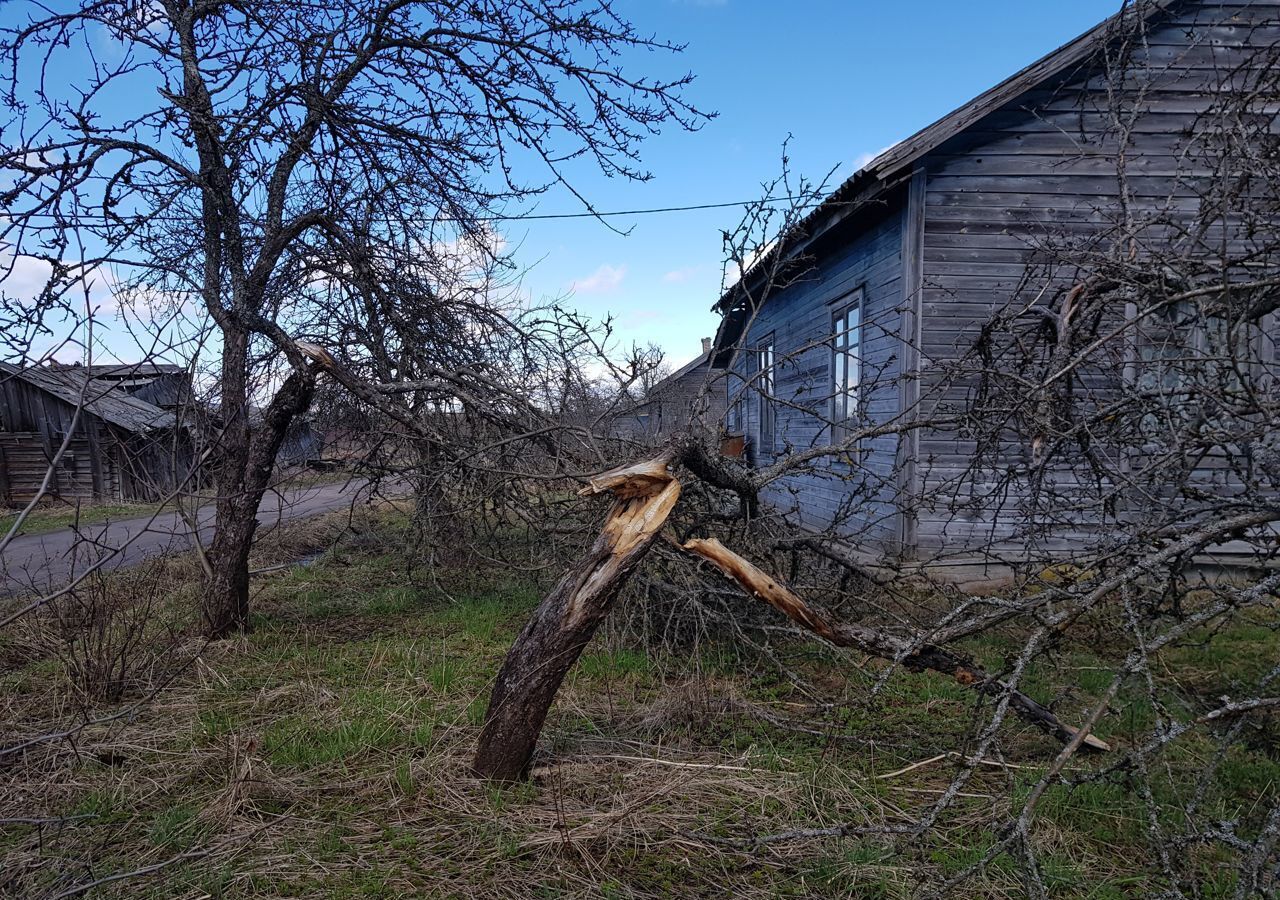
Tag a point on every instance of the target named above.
point(846, 362)
point(765, 418)
point(1192, 366)
point(735, 418)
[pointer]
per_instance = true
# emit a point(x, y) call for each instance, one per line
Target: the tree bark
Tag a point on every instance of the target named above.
point(568, 616)
point(226, 593)
point(225, 603)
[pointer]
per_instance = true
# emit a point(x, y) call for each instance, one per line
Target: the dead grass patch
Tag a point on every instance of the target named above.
point(326, 754)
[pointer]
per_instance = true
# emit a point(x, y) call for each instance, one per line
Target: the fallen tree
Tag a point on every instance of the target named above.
point(915, 656)
point(553, 639)
point(567, 618)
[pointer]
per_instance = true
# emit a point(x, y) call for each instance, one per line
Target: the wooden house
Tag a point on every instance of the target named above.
point(913, 253)
point(692, 397)
point(120, 447)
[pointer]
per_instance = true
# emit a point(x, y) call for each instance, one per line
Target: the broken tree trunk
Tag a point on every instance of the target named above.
point(568, 616)
point(925, 656)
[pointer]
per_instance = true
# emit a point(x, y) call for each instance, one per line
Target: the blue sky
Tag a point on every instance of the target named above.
point(845, 79)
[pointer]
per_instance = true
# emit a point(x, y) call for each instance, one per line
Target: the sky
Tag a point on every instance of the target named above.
point(846, 80)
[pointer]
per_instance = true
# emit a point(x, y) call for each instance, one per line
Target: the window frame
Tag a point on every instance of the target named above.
point(845, 356)
point(1174, 345)
point(764, 375)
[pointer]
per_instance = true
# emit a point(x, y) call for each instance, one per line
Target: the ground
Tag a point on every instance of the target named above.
point(326, 755)
point(55, 516)
point(59, 539)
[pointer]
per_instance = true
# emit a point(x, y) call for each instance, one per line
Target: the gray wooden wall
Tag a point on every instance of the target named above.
point(101, 462)
point(988, 206)
point(1043, 173)
point(32, 426)
point(799, 318)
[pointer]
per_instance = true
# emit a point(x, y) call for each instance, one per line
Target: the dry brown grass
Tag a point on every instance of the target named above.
point(327, 755)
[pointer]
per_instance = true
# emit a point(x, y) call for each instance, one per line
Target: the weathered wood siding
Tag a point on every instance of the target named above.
point(799, 318)
point(687, 400)
point(101, 461)
point(1042, 170)
point(33, 424)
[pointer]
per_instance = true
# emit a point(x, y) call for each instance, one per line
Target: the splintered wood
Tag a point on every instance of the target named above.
point(551, 642)
point(640, 479)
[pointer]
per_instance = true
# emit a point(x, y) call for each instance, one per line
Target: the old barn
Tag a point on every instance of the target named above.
point(120, 447)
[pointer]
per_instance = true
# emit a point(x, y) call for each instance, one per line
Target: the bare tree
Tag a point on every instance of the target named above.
point(254, 136)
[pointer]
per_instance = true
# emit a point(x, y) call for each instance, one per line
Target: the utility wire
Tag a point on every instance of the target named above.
point(636, 212)
point(495, 218)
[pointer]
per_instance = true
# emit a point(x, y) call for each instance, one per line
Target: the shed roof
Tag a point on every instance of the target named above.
point(890, 167)
point(104, 399)
point(130, 370)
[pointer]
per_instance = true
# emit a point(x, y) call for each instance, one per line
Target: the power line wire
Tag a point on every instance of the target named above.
point(499, 218)
point(636, 212)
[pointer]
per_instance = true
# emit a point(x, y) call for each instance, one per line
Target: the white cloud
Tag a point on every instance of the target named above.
point(862, 161)
point(23, 278)
point(603, 280)
point(680, 276)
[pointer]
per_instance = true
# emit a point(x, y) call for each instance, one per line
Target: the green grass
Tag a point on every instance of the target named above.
point(327, 754)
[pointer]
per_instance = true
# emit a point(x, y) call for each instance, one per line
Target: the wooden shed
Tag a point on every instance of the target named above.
point(165, 385)
point(121, 447)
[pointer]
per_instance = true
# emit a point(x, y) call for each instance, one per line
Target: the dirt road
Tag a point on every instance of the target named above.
point(46, 561)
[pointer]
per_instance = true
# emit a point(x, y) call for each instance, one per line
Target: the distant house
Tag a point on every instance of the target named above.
point(165, 385)
point(692, 397)
point(121, 447)
point(916, 250)
point(302, 444)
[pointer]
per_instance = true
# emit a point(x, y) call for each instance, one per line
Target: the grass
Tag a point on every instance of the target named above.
point(58, 515)
point(326, 754)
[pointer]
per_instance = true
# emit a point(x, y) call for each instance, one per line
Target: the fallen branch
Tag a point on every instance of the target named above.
point(876, 643)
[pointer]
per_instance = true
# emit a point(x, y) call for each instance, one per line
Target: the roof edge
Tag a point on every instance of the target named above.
point(882, 172)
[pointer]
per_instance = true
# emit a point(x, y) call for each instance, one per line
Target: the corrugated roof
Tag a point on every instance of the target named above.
point(104, 399)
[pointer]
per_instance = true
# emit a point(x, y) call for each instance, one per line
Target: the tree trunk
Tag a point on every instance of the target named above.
point(226, 592)
point(432, 509)
point(569, 615)
point(240, 491)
